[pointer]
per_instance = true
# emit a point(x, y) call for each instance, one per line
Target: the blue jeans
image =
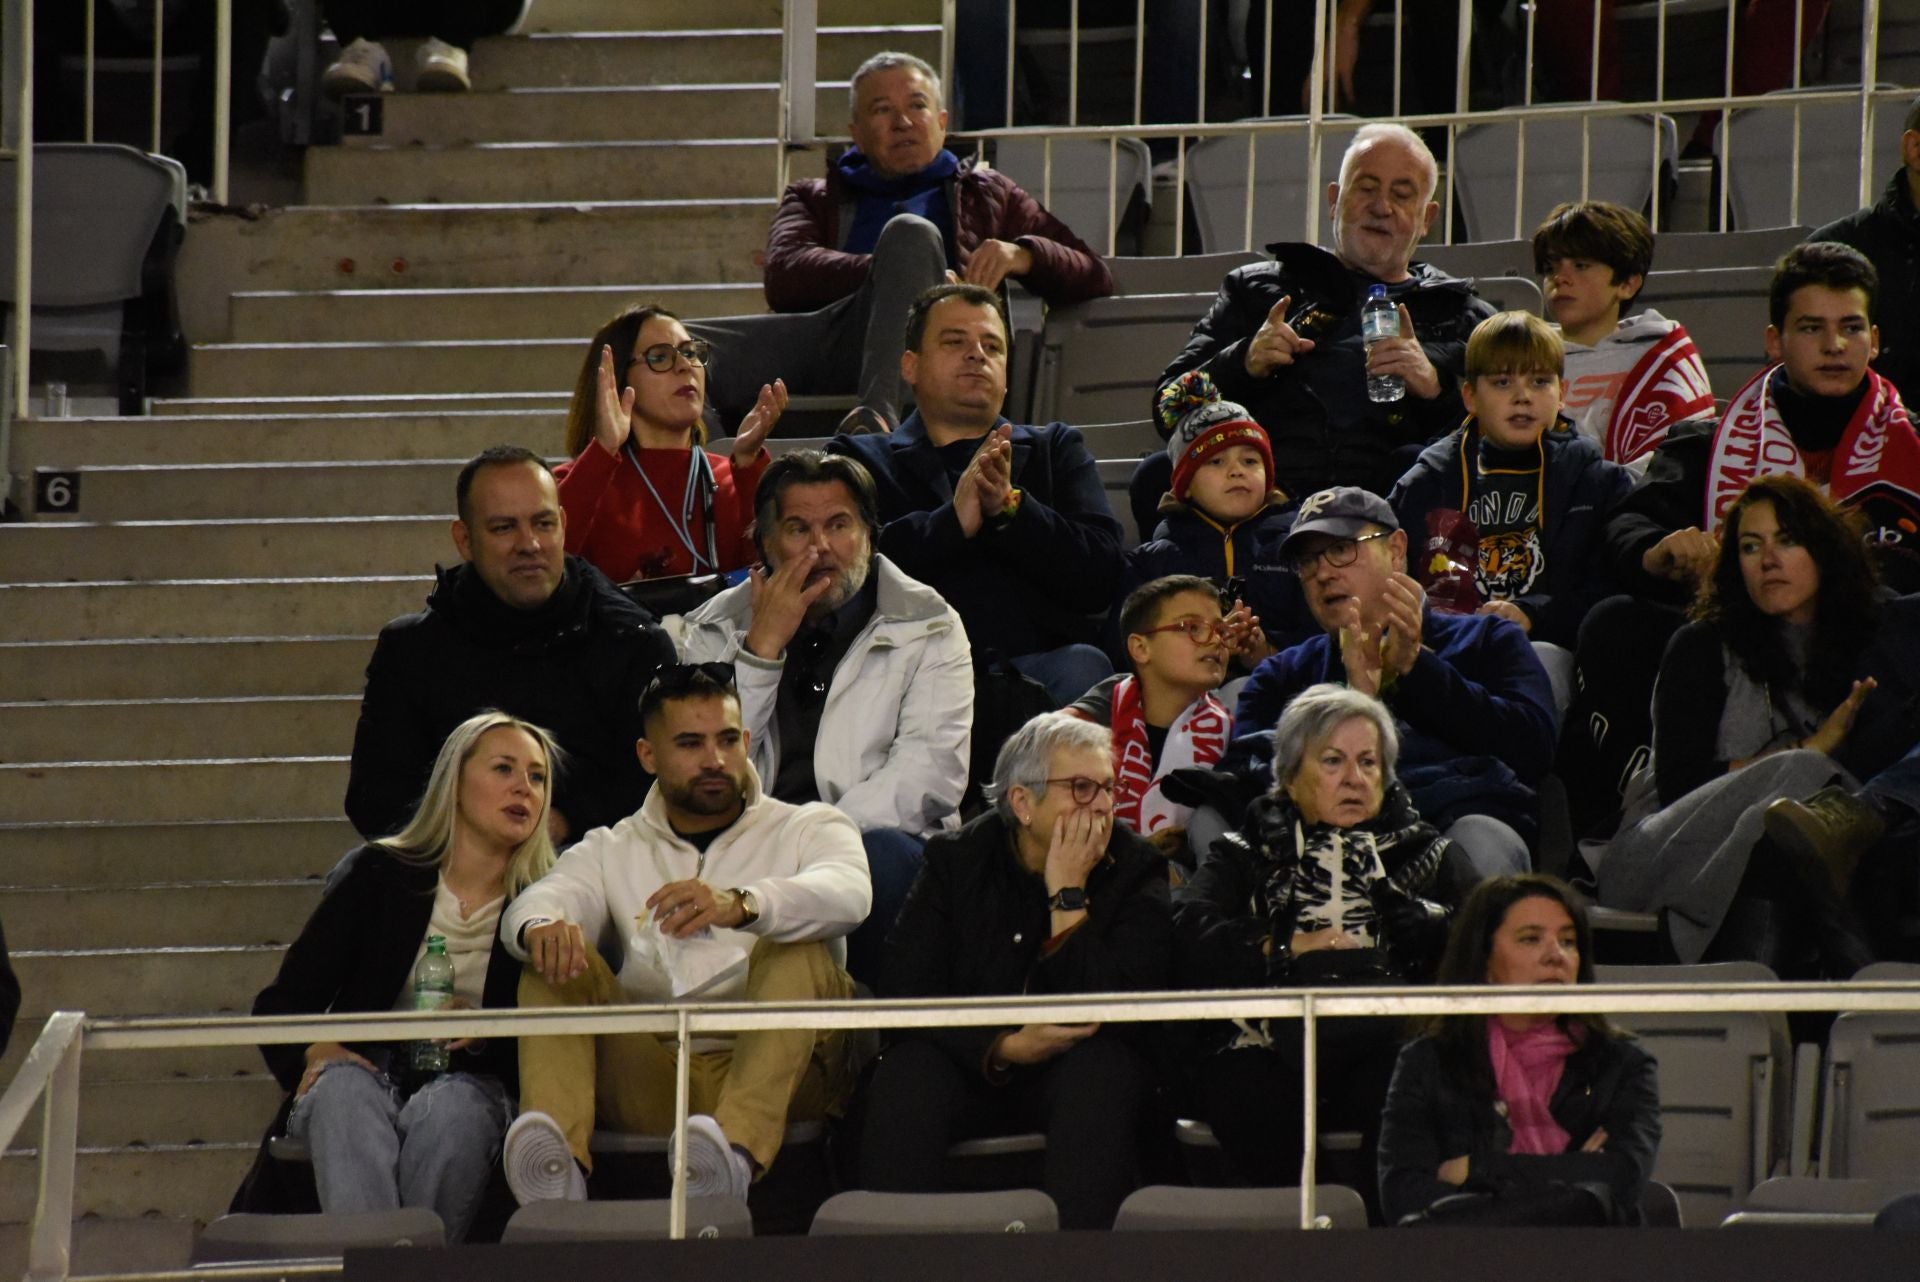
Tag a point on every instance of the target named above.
point(374, 1152)
point(1899, 782)
point(893, 861)
point(1068, 672)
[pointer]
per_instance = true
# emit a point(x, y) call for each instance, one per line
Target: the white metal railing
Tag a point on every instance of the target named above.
point(799, 69)
point(52, 1066)
point(18, 143)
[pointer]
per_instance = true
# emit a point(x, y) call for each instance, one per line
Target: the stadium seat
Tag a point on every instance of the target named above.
point(1168, 1206)
point(1821, 1203)
point(1620, 151)
point(707, 1217)
point(858, 1212)
point(1659, 1208)
point(1758, 158)
point(1217, 183)
point(1100, 361)
point(1724, 310)
point(1509, 293)
point(234, 1238)
point(1086, 173)
point(1870, 1101)
point(1724, 1079)
point(1189, 274)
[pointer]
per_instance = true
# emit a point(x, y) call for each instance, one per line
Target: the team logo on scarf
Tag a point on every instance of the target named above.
point(1198, 737)
point(1667, 385)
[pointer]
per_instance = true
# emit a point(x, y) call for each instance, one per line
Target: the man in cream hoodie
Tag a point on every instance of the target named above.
point(713, 891)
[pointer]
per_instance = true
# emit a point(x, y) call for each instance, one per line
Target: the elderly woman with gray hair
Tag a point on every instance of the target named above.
point(1333, 879)
point(1045, 895)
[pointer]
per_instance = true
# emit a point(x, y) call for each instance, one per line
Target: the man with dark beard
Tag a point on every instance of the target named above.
point(714, 891)
point(856, 681)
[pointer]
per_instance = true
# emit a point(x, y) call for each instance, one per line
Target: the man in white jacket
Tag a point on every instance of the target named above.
point(856, 681)
point(713, 891)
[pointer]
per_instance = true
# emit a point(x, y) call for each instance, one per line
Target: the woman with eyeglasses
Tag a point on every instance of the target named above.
point(1334, 879)
point(643, 499)
point(1043, 895)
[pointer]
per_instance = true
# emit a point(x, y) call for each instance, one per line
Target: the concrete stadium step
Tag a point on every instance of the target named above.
point(615, 15)
point(595, 113)
point(94, 853)
point(171, 791)
point(144, 981)
point(388, 405)
point(186, 1181)
point(175, 915)
point(492, 365)
point(265, 607)
point(401, 315)
point(712, 56)
point(167, 729)
point(187, 1110)
point(239, 667)
point(91, 552)
point(429, 429)
point(226, 491)
point(181, 1063)
point(460, 246)
point(495, 172)
point(100, 1246)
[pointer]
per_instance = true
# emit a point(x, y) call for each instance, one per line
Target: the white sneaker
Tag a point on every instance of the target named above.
point(540, 1166)
point(363, 68)
point(715, 1168)
point(440, 68)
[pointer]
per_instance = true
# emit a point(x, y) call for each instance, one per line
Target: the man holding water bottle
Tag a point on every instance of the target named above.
point(1285, 338)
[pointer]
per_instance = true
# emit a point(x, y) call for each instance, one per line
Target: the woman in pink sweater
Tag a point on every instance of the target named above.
point(643, 499)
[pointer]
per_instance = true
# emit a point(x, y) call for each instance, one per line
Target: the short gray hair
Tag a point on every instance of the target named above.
point(1317, 712)
point(1382, 131)
point(1028, 751)
point(887, 61)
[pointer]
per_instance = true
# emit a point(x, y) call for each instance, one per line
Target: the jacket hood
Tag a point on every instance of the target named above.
point(1637, 330)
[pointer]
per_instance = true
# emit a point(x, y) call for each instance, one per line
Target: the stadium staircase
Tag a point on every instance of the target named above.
point(181, 660)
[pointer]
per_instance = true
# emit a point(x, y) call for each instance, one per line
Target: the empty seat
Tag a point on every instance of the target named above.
point(1725, 312)
point(105, 238)
point(1188, 274)
point(1090, 185)
point(1509, 293)
point(1217, 182)
point(1115, 473)
point(1100, 360)
point(1724, 1079)
point(858, 1212)
point(1489, 258)
point(1870, 1101)
point(1756, 154)
point(1659, 1208)
point(610, 1221)
point(1132, 439)
point(1753, 247)
point(1817, 1203)
point(1168, 1206)
point(234, 1238)
point(1621, 166)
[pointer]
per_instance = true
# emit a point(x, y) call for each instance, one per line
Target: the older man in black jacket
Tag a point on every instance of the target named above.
point(519, 626)
point(1044, 895)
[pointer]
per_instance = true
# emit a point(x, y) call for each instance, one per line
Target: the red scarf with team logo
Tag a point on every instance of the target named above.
point(1666, 385)
point(1876, 448)
point(1198, 737)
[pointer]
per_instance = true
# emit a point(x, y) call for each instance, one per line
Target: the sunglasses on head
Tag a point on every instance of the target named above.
point(674, 679)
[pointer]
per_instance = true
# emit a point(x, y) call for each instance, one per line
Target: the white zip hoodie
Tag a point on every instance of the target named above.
point(804, 864)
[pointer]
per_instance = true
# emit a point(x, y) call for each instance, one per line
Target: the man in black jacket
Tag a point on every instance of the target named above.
point(1283, 338)
point(1044, 895)
point(519, 626)
point(1009, 523)
point(1888, 233)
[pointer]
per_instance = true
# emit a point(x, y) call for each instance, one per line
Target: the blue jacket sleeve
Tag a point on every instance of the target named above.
point(1278, 678)
point(1489, 697)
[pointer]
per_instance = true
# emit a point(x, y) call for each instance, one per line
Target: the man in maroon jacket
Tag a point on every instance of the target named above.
point(849, 253)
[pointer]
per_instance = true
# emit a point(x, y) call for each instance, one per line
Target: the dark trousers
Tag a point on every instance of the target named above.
point(1608, 730)
point(458, 22)
point(1088, 1101)
point(1252, 1098)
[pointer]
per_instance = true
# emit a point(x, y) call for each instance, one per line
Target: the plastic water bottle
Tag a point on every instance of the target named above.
point(432, 990)
point(1380, 319)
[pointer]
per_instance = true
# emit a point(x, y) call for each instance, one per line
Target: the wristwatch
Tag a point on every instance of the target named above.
point(1069, 899)
point(749, 906)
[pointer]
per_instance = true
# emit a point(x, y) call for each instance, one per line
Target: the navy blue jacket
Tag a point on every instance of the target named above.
point(1041, 580)
point(1581, 487)
point(1188, 543)
point(1475, 714)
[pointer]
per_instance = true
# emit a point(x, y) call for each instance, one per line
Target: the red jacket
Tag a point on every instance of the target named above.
point(806, 269)
point(614, 522)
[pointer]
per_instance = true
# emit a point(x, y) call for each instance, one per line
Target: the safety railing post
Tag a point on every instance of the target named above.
point(49, 1251)
point(682, 1091)
point(19, 140)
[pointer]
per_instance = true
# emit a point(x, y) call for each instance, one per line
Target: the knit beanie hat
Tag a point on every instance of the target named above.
point(1202, 425)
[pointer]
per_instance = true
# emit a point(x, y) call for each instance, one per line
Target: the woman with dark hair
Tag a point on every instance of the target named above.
point(382, 1129)
point(643, 498)
point(1519, 1119)
point(1796, 674)
point(1333, 879)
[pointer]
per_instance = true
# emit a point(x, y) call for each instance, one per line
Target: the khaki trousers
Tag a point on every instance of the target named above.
point(625, 1081)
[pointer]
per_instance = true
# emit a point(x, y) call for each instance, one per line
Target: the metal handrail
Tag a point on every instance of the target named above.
point(52, 1067)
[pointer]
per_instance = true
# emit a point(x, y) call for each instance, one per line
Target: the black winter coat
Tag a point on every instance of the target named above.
point(976, 921)
point(576, 667)
point(1888, 233)
point(1434, 1115)
point(1188, 543)
point(1324, 429)
point(1581, 489)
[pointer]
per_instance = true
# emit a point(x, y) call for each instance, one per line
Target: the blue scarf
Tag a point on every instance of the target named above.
point(879, 199)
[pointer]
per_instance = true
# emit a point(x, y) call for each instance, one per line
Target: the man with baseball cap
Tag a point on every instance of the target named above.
point(1473, 704)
